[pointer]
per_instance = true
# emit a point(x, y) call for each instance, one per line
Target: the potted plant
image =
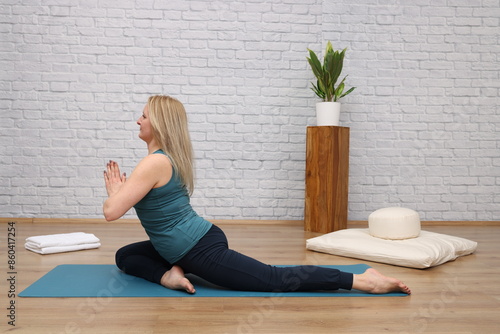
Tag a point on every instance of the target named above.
point(327, 75)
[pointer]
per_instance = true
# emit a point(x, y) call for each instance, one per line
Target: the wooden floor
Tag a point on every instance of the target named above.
point(458, 297)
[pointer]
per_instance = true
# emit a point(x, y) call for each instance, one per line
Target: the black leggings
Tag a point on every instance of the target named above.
point(211, 260)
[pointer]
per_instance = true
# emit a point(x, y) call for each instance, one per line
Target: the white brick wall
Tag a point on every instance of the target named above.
point(424, 120)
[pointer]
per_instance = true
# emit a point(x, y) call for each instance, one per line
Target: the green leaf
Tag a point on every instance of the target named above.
point(348, 92)
point(315, 64)
point(329, 47)
point(320, 93)
point(339, 91)
point(339, 63)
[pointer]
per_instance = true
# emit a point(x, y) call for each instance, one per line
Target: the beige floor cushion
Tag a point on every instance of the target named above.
point(427, 250)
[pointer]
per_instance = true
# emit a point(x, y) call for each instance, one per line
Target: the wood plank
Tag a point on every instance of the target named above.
point(327, 178)
point(350, 223)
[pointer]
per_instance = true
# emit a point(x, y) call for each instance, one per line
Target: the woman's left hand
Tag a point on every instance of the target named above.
point(113, 178)
point(125, 193)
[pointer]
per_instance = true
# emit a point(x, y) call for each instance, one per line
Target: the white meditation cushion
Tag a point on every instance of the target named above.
point(394, 223)
point(429, 249)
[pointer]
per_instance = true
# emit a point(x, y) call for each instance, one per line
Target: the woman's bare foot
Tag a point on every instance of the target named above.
point(174, 279)
point(374, 282)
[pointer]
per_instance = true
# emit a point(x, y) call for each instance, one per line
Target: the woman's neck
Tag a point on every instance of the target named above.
point(153, 147)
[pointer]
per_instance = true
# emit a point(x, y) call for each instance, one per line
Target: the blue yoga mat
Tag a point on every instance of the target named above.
point(105, 280)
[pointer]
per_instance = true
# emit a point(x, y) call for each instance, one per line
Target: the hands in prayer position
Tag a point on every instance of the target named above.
point(113, 179)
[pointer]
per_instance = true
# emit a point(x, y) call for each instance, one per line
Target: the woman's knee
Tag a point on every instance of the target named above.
point(120, 256)
point(124, 252)
point(142, 248)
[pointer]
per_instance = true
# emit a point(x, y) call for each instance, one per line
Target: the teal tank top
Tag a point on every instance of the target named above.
point(172, 225)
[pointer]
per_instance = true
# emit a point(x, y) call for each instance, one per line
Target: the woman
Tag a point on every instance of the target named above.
point(180, 240)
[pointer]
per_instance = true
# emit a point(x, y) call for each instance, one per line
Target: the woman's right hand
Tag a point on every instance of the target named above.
point(113, 179)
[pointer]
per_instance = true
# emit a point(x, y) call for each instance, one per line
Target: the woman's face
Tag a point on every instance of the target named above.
point(145, 130)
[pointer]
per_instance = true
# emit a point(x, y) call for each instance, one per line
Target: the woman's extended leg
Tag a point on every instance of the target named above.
point(212, 260)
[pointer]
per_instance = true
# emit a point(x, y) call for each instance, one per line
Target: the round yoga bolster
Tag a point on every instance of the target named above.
point(394, 223)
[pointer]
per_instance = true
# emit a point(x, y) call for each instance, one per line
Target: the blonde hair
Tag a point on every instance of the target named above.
point(170, 129)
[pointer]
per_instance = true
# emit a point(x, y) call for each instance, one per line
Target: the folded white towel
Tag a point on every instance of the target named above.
point(64, 239)
point(65, 242)
point(61, 249)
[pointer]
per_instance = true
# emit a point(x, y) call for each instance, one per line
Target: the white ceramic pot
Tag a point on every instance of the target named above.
point(327, 113)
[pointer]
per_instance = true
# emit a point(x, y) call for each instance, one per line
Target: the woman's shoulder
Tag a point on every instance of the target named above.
point(156, 159)
point(156, 167)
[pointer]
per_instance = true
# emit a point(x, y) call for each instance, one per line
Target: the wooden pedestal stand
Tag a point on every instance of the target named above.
point(327, 178)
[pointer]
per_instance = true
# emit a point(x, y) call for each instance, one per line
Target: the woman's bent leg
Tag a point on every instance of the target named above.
point(212, 260)
point(142, 260)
